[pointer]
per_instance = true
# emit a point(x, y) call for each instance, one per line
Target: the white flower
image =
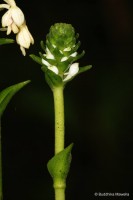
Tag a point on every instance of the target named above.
point(50, 67)
point(54, 69)
point(48, 54)
point(74, 54)
point(66, 57)
point(24, 38)
point(13, 18)
point(73, 70)
point(70, 72)
point(67, 49)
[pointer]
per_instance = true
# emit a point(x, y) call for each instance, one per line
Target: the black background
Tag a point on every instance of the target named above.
point(98, 103)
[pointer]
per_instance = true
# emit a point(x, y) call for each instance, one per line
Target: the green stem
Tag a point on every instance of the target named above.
point(59, 194)
point(59, 118)
point(59, 187)
point(0, 164)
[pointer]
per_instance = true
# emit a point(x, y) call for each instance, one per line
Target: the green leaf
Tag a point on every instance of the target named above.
point(85, 68)
point(52, 79)
point(36, 59)
point(43, 46)
point(59, 166)
point(8, 93)
point(6, 41)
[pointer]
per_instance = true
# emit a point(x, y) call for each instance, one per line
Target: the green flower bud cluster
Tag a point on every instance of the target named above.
point(62, 36)
point(58, 61)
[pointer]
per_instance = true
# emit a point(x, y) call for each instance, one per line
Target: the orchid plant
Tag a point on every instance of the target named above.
point(60, 66)
point(59, 62)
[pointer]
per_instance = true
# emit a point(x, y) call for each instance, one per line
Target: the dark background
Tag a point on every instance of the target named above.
point(99, 103)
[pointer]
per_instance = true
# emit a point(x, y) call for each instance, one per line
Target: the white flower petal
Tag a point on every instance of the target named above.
point(17, 16)
point(54, 69)
point(10, 2)
point(4, 6)
point(24, 37)
point(67, 49)
point(23, 50)
point(31, 38)
point(14, 28)
point(6, 19)
point(64, 58)
point(50, 67)
point(49, 55)
point(45, 63)
point(67, 78)
point(74, 54)
point(73, 70)
point(9, 29)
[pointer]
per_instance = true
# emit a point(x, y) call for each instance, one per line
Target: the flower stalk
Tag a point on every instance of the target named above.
point(58, 95)
point(59, 194)
point(59, 118)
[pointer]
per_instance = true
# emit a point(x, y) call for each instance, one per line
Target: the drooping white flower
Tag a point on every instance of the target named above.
point(13, 18)
point(73, 70)
point(24, 38)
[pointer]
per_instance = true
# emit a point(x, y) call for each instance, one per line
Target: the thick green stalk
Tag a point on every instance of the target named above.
point(59, 118)
point(59, 194)
point(0, 164)
point(59, 187)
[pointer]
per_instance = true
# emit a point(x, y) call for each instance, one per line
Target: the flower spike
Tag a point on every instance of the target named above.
point(61, 52)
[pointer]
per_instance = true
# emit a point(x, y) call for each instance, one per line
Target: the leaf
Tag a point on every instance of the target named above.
point(59, 165)
point(52, 79)
point(6, 41)
point(36, 59)
point(85, 68)
point(8, 93)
